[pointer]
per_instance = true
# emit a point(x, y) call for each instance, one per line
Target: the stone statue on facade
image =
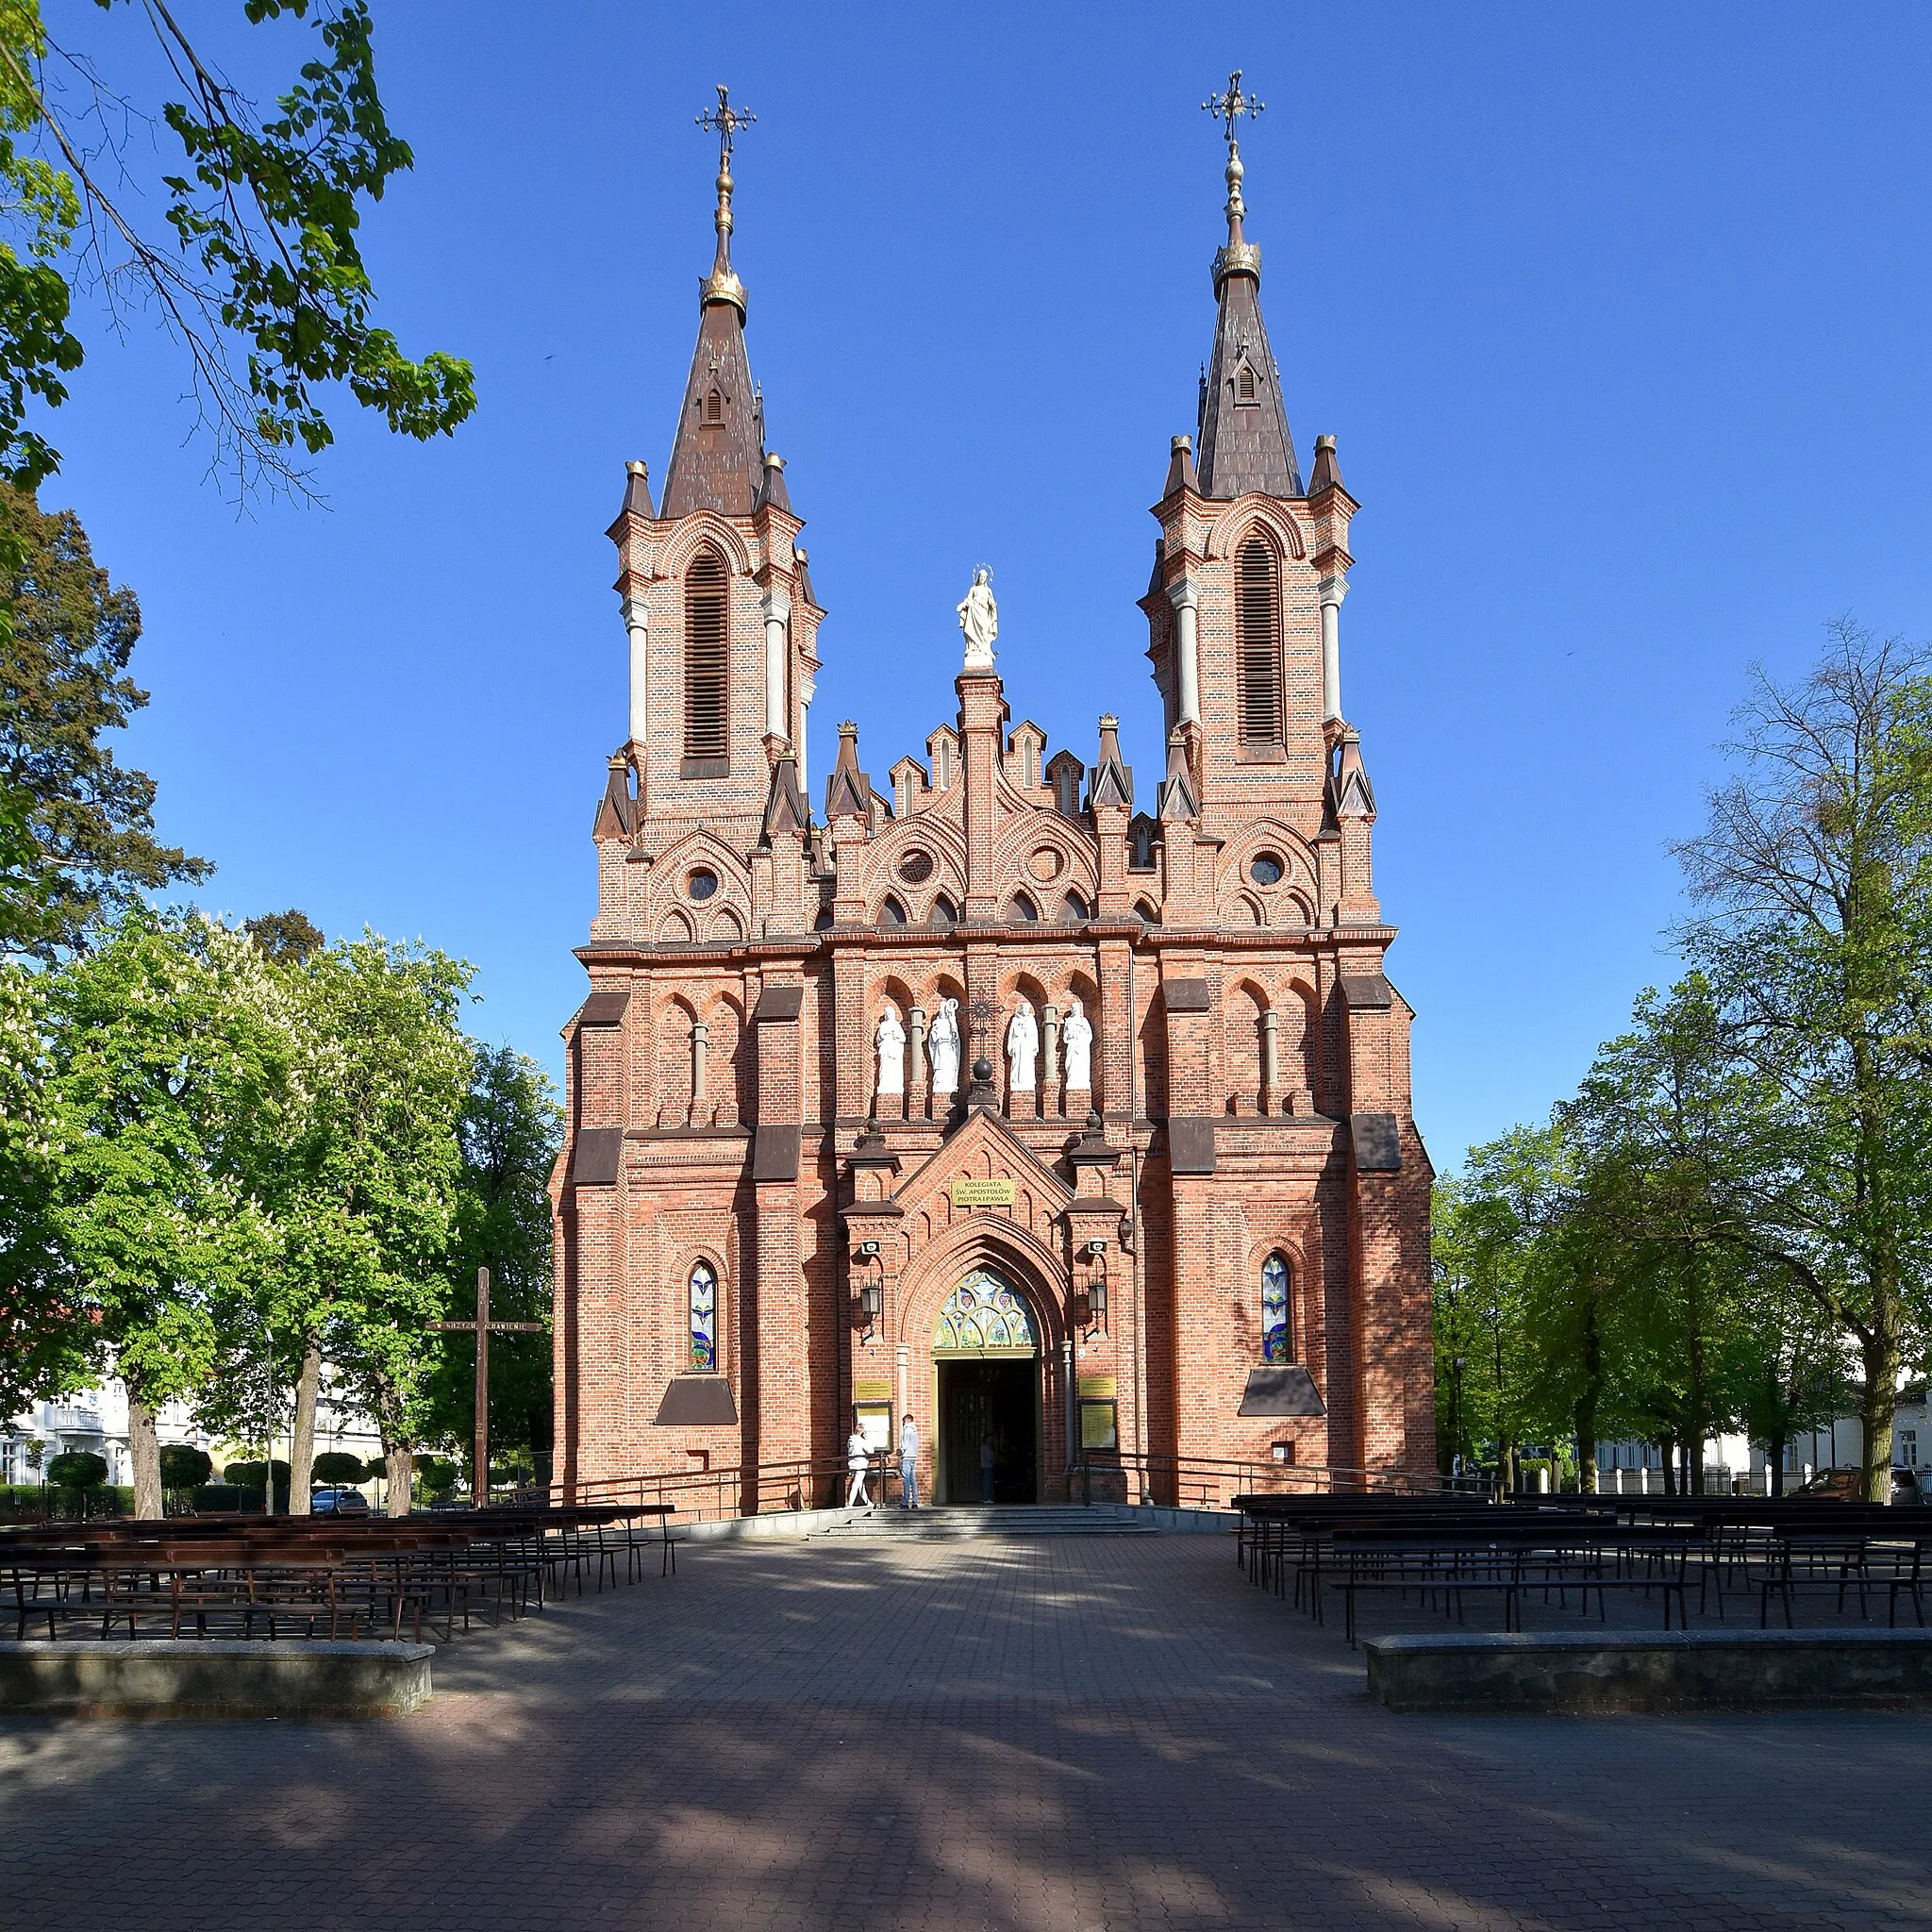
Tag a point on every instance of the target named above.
point(890, 1041)
point(1022, 1050)
point(942, 1047)
point(1077, 1047)
point(980, 619)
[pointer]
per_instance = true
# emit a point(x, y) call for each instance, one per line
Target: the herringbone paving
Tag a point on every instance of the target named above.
point(1043, 1736)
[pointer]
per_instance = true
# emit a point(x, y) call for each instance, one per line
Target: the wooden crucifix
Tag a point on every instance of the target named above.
point(480, 1327)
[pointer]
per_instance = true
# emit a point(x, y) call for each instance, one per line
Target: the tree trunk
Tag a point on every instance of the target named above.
point(1880, 1356)
point(400, 1469)
point(1670, 1449)
point(1774, 1466)
point(145, 1452)
point(302, 1445)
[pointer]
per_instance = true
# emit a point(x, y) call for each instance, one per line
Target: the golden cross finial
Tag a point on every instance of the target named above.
point(1228, 107)
point(725, 121)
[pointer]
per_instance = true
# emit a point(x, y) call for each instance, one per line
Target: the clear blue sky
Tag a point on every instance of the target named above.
point(1619, 313)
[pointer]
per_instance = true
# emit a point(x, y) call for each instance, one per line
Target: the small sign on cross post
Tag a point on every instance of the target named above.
point(480, 1327)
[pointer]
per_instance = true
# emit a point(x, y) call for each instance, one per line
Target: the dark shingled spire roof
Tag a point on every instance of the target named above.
point(1246, 443)
point(717, 460)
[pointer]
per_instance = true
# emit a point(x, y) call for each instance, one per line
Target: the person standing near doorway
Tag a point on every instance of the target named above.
point(909, 1463)
point(858, 1462)
point(988, 1456)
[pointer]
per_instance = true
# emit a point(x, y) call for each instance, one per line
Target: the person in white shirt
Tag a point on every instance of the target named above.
point(858, 1460)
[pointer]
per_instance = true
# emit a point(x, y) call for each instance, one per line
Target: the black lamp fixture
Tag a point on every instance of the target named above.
point(871, 1295)
point(1096, 1286)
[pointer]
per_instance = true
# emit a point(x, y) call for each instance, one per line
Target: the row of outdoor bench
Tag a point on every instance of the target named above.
point(1444, 1553)
point(319, 1576)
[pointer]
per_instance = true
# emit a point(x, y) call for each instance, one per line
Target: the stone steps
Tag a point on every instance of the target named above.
point(958, 1522)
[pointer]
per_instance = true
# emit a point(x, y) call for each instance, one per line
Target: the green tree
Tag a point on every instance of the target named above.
point(286, 938)
point(1814, 877)
point(84, 845)
point(510, 1130)
point(256, 269)
point(370, 1208)
point(168, 1060)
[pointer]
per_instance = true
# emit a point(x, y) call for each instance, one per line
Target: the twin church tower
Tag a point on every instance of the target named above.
point(1062, 1116)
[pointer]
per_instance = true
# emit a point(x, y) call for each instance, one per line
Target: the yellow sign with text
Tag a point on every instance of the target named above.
point(973, 1190)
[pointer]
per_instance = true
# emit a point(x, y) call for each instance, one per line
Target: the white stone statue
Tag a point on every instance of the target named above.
point(942, 1047)
point(1022, 1050)
point(980, 618)
point(1077, 1047)
point(890, 1041)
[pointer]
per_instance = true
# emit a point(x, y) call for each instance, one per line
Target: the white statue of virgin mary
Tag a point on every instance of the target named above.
point(980, 619)
point(891, 1043)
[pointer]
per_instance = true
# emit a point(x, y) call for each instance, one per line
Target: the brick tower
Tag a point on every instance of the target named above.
point(1073, 1128)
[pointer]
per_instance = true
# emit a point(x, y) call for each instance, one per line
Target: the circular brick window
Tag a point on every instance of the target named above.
point(1046, 863)
point(1265, 869)
point(916, 868)
point(702, 883)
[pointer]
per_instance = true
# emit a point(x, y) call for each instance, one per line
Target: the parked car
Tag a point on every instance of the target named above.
point(338, 1502)
point(1842, 1486)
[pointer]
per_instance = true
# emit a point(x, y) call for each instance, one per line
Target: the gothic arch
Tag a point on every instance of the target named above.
point(702, 527)
point(1247, 513)
point(988, 1241)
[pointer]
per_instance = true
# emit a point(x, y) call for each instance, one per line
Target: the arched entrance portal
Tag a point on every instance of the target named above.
point(986, 1358)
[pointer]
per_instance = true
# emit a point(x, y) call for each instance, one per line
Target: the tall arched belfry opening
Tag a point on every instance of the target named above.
point(1073, 1120)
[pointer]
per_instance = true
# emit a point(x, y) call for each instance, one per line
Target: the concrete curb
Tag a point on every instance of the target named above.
point(1594, 1671)
point(184, 1677)
point(1184, 1521)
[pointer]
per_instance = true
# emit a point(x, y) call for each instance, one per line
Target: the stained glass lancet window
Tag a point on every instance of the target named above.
point(984, 1316)
point(703, 1302)
point(1274, 1310)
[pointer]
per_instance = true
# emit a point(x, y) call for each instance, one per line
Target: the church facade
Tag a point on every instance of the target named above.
point(1066, 1116)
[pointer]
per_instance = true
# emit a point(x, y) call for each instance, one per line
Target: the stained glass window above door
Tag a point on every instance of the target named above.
point(1274, 1309)
point(985, 1315)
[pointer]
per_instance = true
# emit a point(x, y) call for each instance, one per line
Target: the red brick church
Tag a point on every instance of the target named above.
point(1066, 1117)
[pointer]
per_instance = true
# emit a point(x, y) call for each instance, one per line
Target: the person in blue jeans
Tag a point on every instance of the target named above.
point(909, 1463)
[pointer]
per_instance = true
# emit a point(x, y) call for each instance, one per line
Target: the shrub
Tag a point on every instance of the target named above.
point(254, 1476)
point(78, 1469)
point(334, 1466)
point(435, 1475)
point(184, 1467)
point(219, 1498)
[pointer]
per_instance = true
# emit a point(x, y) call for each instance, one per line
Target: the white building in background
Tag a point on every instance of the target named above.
point(96, 1420)
point(1838, 1444)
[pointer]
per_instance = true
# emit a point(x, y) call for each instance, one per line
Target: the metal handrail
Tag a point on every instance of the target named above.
point(1211, 1482)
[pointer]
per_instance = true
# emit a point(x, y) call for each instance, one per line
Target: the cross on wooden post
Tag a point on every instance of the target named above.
point(480, 1327)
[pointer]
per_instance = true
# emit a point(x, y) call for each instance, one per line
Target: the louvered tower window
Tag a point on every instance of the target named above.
point(1259, 596)
point(707, 665)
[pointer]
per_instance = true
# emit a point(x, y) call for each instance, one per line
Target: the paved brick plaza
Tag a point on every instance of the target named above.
point(856, 1735)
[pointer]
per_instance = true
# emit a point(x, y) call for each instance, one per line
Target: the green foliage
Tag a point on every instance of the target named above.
point(510, 1131)
point(264, 281)
point(287, 938)
point(436, 1475)
point(337, 1466)
point(78, 1469)
point(83, 845)
point(253, 1475)
point(184, 1467)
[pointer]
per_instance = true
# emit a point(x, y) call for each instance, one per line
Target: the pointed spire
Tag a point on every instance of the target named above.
point(785, 806)
point(1327, 474)
point(1246, 443)
point(1349, 794)
point(637, 490)
point(773, 490)
point(717, 460)
point(848, 792)
point(617, 810)
point(1180, 468)
point(1177, 800)
point(1113, 782)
